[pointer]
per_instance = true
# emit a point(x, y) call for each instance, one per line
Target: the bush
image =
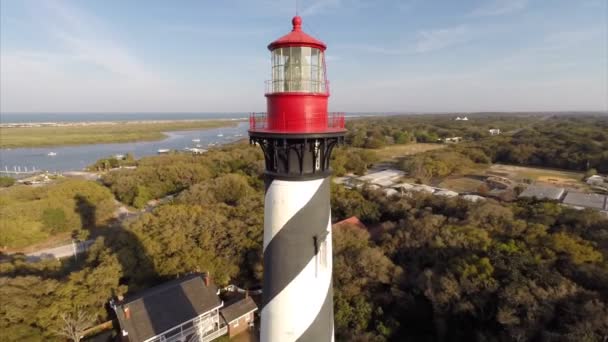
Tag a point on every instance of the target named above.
point(54, 220)
point(5, 182)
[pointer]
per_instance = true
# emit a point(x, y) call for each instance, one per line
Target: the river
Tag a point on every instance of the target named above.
point(72, 158)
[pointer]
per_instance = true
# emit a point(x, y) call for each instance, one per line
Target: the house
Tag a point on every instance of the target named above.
point(494, 131)
point(352, 221)
point(543, 192)
point(182, 310)
point(238, 315)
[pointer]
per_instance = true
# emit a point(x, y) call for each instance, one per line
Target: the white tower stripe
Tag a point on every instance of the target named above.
point(283, 200)
point(298, 302)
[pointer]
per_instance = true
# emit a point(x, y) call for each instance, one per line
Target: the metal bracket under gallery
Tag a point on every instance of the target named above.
point(301, 158)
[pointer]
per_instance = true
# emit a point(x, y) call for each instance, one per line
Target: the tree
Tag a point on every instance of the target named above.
point(74, 325)
point(142, 197)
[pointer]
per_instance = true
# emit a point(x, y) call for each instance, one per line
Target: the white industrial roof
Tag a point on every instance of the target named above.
point(543, 192)
point(579, 199)
point(473, 198)
point(446, 193)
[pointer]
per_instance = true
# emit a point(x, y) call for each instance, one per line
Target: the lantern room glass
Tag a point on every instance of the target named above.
point(298, 69)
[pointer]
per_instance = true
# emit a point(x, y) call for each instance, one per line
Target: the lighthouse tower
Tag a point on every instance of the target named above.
point(297, 136)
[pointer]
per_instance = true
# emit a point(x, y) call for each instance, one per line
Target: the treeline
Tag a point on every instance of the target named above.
point(404, 129)
point(33, 214)
point(567, 142)
point(159, 176)
point(560, 141)
point(451, 270)
point(113, 162)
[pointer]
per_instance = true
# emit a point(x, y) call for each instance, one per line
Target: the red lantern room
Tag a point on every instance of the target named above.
point(298, 92)
point(297, 134)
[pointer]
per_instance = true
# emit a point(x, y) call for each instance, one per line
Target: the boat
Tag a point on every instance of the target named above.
point(196, 140)
point(220, 135)
point(163, 150)
point(52, 154)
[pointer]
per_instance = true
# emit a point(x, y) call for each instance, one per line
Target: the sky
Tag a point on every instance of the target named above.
point(382, 56)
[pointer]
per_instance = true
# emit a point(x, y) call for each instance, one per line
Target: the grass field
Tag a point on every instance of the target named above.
point(99, 133)
point(394, 152)
point(560, 178)
point(461, 184)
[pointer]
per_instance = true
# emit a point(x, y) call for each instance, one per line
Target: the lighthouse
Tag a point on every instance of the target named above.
point(297, 136)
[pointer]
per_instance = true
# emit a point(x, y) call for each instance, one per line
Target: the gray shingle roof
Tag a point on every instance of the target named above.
point(238, 309)
point(165, 306)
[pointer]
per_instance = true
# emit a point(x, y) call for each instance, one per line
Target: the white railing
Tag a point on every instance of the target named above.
point(200, 329)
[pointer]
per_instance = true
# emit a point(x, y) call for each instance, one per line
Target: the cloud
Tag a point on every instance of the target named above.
point(425, 41)
point(499, 7)
point(442, 38)
point(219, 32)
point(318, 6)
point(322, 6)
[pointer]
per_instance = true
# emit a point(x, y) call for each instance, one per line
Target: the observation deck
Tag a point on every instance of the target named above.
point(318, 123)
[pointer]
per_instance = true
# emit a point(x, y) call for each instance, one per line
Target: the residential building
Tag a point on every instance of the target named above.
point(238, 315)
point(182, 310)
point(353, 221)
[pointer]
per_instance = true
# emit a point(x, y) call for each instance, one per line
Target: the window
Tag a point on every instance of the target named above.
point(298, 69)
point(321, 256)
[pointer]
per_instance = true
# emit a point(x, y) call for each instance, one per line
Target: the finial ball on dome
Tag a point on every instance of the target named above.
point(297, 22)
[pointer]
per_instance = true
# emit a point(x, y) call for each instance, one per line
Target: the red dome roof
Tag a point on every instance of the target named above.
point(297, 37)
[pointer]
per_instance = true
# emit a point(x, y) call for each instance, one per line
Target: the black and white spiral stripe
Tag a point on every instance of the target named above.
point(297, 296)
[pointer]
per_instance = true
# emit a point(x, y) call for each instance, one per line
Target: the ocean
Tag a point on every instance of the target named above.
point(93, 117)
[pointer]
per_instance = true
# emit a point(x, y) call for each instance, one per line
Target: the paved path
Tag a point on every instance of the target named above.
point(60, 252)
